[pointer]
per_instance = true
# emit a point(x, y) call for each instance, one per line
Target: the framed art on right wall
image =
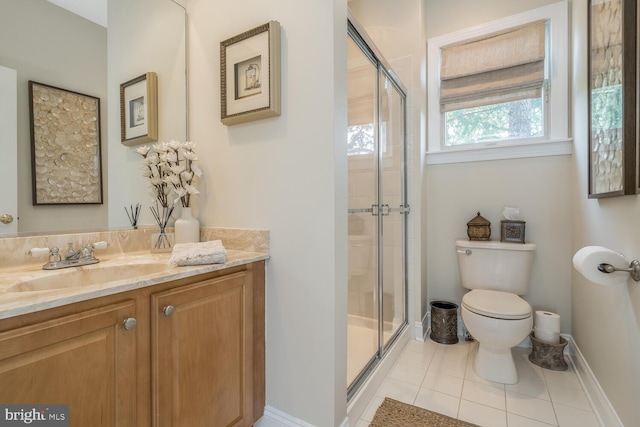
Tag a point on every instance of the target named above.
point(612, 70)
point(250, 75)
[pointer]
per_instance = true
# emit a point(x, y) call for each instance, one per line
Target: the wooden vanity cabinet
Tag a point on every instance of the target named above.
point(195, 357)
point(202, 337)
point(85, 360)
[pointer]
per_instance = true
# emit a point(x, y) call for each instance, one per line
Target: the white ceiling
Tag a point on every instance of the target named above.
point(93, 10)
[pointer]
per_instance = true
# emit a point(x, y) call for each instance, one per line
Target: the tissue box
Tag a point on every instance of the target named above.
point(512, 231)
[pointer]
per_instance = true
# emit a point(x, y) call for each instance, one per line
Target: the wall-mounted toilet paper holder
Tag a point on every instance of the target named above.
point(633, 270)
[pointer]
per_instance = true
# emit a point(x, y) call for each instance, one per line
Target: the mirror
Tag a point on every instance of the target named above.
point(612, 98)
point(48, 44)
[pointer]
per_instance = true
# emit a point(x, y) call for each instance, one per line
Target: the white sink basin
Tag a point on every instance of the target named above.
point(89, 275)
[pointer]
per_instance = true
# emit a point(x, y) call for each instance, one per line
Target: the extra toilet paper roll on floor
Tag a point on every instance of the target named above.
point(587, 259)
point(546, 336)
point(547, 321)
point(547, 326)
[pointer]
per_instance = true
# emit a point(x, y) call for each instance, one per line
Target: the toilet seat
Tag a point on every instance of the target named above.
point(496, 304)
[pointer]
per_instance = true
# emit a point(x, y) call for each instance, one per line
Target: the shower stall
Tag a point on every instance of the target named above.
point(377, 282)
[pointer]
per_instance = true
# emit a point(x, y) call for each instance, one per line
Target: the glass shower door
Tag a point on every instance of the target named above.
point(393, 208)
point(377, 210)
point(363, 313)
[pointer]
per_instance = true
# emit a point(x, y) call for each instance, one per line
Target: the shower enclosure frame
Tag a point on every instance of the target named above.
point(368, 48)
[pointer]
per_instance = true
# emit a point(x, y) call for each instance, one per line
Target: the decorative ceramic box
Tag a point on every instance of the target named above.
point(479, 228)
point(512, 231)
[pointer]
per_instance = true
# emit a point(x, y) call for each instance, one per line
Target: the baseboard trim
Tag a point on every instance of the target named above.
point(602, 408)
point(420, 330)
point(274, 418)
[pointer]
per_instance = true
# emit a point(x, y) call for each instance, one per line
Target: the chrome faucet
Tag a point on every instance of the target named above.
point(73, 258)
point(71, 254)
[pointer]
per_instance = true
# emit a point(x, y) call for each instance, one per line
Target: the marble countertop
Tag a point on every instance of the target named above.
point(15, 303)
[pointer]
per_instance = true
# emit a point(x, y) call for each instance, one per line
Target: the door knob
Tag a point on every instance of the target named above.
point(169, 310)
point(129, 323)
point(6, 218)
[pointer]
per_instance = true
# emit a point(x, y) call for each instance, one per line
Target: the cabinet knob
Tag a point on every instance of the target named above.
point(169, 310)
point(129, 323)
point(6, 218)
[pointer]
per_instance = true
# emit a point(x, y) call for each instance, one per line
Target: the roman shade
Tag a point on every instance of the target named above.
point(500, 67)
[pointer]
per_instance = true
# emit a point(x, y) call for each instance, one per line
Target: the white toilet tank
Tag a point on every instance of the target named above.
point(497, 266)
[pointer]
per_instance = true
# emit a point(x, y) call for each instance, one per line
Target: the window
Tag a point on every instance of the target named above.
point(496, 122)
point(494, 92)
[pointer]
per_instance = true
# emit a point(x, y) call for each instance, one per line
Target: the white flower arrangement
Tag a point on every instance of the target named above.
point(170, 168)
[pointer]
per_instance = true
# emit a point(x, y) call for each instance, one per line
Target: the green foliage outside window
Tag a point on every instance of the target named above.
point(509, 120)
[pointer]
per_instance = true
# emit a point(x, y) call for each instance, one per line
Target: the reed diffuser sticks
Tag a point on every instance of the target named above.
point(133, 214)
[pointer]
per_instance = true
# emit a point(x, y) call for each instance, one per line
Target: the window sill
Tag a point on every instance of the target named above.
point(484, 153)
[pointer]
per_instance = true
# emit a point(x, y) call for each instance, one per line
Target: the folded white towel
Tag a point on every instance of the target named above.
point(200, 253)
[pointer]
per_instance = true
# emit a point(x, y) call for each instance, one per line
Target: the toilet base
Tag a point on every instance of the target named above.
point(495, 365)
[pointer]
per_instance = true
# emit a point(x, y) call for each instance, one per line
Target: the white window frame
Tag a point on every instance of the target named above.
point(556, 141)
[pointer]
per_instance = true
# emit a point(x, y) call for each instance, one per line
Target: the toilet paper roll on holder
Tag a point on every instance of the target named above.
point(633, 270)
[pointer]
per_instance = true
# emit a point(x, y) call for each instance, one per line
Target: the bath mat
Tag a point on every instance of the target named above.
point(397, 414)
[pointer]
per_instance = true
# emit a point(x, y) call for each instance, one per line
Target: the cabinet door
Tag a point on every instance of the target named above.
point(202, 337)
point(85, 360)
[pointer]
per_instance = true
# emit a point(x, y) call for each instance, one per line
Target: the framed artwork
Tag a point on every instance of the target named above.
point(65, 146)
point(613, 98)
point(139, 110)
point(250, 75)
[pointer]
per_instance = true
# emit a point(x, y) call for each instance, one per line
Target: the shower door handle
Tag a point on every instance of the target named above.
point(402, 209)
point(363, 210)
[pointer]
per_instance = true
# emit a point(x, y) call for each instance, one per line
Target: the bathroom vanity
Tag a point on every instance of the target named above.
point(183, 347)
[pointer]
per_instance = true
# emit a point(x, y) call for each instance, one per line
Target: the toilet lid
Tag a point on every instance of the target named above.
point(500, 305)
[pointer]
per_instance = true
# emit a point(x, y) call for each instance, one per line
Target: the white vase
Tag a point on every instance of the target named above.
point(186, 228)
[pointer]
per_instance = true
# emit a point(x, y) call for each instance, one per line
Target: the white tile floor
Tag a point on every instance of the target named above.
point(440, 378)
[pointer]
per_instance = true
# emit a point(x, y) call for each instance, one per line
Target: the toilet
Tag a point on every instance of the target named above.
point(496, 273)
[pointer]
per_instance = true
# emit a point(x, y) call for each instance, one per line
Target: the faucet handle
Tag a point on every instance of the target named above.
point(100, 245)
point(38, 251)
point(54, 255)
point(87, 250)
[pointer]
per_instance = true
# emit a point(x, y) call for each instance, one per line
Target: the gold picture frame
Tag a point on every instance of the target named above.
point(250, 75)
point(139, 110)
point(66, 165)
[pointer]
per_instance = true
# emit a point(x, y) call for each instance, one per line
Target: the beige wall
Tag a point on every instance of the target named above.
point(538, 186)
point(552, 194)
point(606, 320)
point(286, 174)
point(49, 45)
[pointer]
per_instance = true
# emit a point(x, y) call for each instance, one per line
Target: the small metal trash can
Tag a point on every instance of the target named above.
point(444, 322)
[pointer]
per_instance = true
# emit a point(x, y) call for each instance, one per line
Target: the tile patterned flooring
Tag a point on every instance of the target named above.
point(441, 378)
